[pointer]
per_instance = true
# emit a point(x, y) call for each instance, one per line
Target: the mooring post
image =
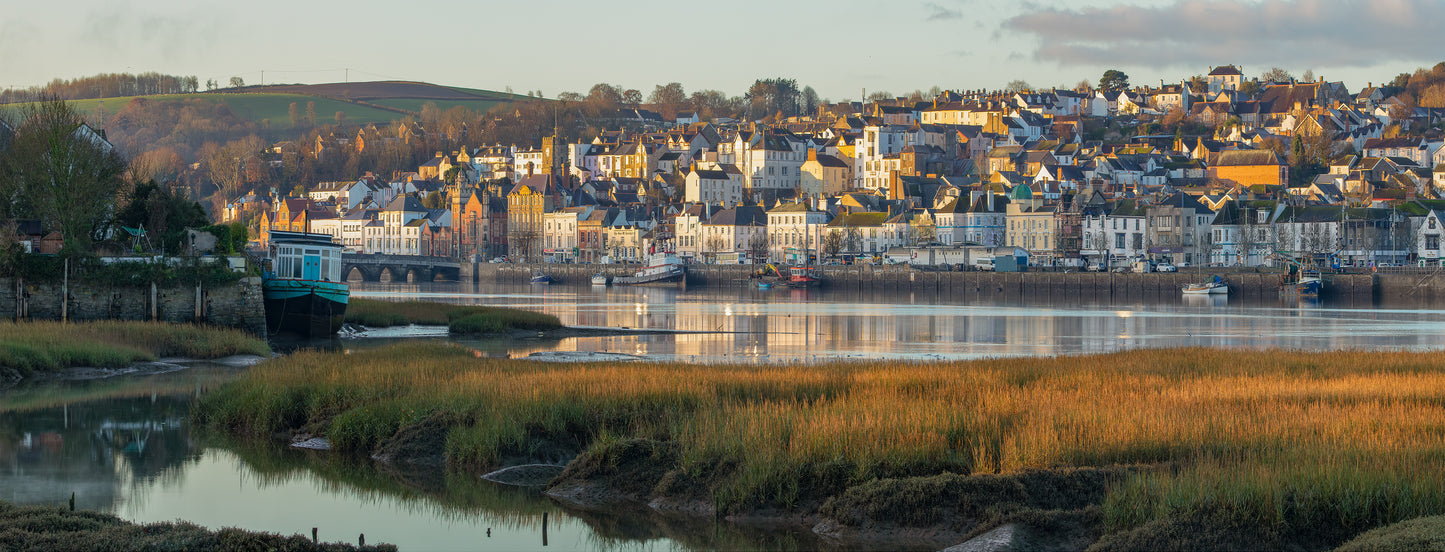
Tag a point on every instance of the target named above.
point(72, 501)
point(544, 528)
point(361, 540)
point(198, 302)
point(313, 535)
point(153, 302)
point(65, 293)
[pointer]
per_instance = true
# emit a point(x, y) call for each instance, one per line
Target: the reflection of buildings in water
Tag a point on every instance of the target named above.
point(91, 449)
point(797, 324)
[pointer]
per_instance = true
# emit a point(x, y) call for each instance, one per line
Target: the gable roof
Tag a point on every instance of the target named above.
point(405, 203)
point(742, 215)
point(1239, 158)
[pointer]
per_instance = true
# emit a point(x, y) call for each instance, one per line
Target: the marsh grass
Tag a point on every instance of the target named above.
point(460, 319)
point(1285, 439)
point(29, 347)
point(24, 528)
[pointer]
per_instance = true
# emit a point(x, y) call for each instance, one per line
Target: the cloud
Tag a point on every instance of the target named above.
point(940, 13)
point(1287, 33)
point(124, 30)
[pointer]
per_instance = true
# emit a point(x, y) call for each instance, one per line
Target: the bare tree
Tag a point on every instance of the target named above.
point(758, 247)
point(713, 245)
point(924, 230)
point(1275, 74)
point(524, 242)
point(57, 170)
point(832, 243)
point(852, 240)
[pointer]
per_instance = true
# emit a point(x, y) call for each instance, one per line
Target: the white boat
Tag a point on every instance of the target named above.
point(599, 279)
point(660, 268)
point(1206, 288)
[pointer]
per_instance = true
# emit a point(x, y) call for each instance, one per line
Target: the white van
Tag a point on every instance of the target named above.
point(983, 264)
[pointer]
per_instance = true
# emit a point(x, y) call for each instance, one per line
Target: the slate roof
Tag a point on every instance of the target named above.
point(405, 203)
point(1238, 158)
point(742, 215)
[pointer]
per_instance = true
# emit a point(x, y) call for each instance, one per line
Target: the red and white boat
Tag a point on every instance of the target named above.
point(802, 276)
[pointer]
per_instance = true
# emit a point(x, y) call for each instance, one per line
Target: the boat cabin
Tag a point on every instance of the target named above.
point(302, 256)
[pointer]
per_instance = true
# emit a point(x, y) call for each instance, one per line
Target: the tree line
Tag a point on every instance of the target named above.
point(106, 85)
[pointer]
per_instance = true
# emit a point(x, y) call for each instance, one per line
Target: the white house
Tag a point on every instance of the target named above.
point(559, 232)
point(713, 186)
point(1429, 249)
point(795, 232)
point(731, 233)
point(1115, 237)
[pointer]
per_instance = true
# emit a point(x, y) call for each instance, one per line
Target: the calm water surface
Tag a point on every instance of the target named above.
point(124, 444)
point(809, 325)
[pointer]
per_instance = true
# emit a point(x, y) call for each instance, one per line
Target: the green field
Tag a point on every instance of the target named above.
point(273, 108)
point(489, 94)
point(414, 104)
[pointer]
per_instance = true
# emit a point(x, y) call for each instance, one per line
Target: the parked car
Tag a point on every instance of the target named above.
point(1165, 267)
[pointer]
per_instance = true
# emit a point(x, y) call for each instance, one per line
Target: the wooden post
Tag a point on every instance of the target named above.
point(65, 293)
point(544, 528)
point(153, 302)
point(361, 541)
point(313, 535)
point(198, 303)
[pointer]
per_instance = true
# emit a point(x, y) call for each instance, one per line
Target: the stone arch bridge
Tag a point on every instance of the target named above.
point(375, 267)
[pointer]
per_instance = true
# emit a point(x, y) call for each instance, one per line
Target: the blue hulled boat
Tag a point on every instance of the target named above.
point(302, 288)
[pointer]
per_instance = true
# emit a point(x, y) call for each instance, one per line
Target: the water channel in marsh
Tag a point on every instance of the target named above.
point(124, 444)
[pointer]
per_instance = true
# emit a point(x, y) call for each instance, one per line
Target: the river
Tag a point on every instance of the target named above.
point(124, 445)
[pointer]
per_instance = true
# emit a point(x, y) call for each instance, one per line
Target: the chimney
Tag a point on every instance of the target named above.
point(812, 154)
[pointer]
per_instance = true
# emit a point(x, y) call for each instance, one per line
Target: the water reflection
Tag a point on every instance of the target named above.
point(125, 450)
point(750, 326)
point(124, 444)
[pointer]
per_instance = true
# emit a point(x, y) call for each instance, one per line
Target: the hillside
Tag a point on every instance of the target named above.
point(361, 102)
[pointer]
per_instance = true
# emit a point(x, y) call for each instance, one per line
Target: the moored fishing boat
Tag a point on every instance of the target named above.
point(802, 276)
point(599, 279)
point(540, 278)
point(1310, 284)
point(302, 289)
point(661, 268)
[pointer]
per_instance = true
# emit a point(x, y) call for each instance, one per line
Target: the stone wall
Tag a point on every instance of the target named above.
point(237, 305)
point(1360, 289)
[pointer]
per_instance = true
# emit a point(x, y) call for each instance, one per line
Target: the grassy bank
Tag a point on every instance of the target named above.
point(24, 528)
point(1303, 447)
point(460, 319)
point(28, 347)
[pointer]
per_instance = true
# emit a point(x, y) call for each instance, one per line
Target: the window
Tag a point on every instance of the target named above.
point(1119, 241)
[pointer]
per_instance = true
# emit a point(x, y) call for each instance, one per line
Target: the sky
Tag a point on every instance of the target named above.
point(841, 48)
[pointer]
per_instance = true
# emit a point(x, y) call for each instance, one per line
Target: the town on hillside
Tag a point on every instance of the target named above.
point(1255, 173)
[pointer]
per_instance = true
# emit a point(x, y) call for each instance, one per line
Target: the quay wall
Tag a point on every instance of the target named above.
point(238, 305)
point(1100, 286)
